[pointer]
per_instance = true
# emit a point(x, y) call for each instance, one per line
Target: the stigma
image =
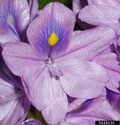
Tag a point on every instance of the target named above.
point(53, 39)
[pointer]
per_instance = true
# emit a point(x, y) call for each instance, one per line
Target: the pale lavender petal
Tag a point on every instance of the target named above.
point(5, 109)
point(18, 112)
point(100, 15)
point(82, 79)
point(33, 9)
point(20, 57)
point(57, 18)
point(112, 3)
point(55, 100)
point(5, 89)
point(46, 96)
point(8, 38)
point(13, 105)
point(31, 122)
point(76, 6)
point(111, 64)
point(88, 44)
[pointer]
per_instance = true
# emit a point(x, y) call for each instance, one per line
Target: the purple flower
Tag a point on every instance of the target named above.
point(102, 12)
point(14, 18)
point(90, 111)
point(14, 105)
point(58, 62)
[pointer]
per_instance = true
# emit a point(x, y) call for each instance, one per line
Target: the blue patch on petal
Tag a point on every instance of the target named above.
point(4, 20)
point(59, 30)
point(85, 105)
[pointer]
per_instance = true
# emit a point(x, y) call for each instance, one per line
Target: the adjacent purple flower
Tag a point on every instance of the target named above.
point(58, 62)
point(14, 18)
point(14, 105)
point(102, 12)
point(90, 111)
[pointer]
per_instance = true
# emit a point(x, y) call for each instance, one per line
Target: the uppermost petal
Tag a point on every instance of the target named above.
point(56, 22)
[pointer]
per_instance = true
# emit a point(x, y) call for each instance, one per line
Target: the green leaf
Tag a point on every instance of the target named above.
point(42, 3)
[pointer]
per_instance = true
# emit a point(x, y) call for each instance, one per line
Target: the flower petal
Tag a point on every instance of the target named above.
point(19, 56)
point(33, 8)
point(112, 3)
point(80, 78)
point(110, 62)
point(100, 15)
point(88, 44)
point(44, 92)
point(56, 108)
point(76, 6)
point(5, 89)
point(18, 112)
point(55, 18)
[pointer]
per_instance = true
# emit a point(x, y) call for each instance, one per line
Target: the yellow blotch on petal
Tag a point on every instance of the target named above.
point(78, 107)
point(53, 39)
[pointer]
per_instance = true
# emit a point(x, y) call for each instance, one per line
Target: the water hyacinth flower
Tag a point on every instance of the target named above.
point(90, 111)
point(57, 62)
point(14, 18)
point(102, 12)
point(14, 105)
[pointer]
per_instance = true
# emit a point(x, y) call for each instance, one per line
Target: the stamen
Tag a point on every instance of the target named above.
point(53, 39)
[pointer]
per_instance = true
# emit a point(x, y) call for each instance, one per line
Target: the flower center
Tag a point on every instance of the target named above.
point(53, 68)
